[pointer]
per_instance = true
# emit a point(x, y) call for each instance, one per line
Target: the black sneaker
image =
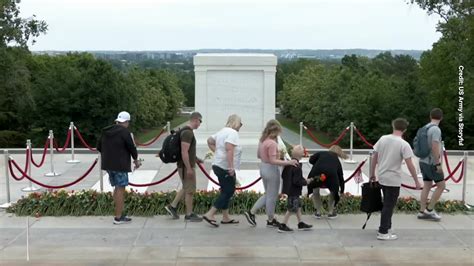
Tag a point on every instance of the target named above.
point(273, 223)
point(283, 228)
point(250, 218)
point(304, 227)
point(192, 218)
point(122, 220)
point(172, 211)
point(317, 215)
point(332, 215)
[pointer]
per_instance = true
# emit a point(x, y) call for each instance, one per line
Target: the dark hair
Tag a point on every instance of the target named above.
point(195, 115)
point(400, 124)
point(436, 113)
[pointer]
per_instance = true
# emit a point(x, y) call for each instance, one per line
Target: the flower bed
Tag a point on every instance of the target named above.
point(88, 202)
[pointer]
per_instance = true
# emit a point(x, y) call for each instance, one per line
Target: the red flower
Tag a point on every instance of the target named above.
point(323, 177)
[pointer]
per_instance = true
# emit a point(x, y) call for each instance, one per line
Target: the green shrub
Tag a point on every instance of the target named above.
point(12, 139)
point(88, 202)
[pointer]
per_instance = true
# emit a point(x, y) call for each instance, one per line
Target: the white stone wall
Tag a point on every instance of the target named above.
point(235, 83)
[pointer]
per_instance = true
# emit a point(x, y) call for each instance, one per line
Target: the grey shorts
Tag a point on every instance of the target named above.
point(429, 173)
point(294, 203)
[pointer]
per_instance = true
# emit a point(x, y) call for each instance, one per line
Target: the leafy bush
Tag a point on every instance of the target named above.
point(88, 202)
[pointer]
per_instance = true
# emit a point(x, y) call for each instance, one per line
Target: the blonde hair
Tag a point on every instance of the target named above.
point(297, 149)
point(338, 150)
point(272, 130)
point(234, 121)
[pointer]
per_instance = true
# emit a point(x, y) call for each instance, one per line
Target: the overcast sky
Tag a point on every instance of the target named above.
point(262, 24)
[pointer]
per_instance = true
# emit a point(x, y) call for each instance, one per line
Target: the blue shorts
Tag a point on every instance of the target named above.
point(119, 179)
point(429, 173)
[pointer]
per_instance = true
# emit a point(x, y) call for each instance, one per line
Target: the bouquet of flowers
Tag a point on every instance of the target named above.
point(318, 181)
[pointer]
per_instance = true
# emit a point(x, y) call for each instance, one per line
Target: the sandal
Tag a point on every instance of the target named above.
point(211, 222)
point(231, 221)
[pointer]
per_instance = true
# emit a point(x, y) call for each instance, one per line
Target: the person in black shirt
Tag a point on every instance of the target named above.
point(293, 182)
point(116, 146)
point(327, 163)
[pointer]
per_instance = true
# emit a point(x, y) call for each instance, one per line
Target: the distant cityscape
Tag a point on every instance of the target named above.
point(179, 55)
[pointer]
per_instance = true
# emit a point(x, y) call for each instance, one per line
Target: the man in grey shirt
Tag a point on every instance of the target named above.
point(389, 153)
point(431, 168)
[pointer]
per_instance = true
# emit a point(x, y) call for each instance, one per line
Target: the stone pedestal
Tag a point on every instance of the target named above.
point(243, 84)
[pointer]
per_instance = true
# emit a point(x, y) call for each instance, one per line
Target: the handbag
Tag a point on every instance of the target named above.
point(371, 199)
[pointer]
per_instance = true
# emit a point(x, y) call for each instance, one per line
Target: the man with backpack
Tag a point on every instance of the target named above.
point(429, 142)
point(187, 170)
point(389, 153)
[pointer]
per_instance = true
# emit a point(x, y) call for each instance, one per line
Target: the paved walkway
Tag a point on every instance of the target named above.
point(162, 241)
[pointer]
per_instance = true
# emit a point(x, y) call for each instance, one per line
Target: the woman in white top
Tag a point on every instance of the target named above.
point(226, 147)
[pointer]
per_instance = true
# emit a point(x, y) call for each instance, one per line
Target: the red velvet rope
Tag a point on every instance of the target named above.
point(355, 171)
point(451, 175)
point(445, 154)
point(26, 167)
point(154, 183)
point(343, 133)
point(461, 163)
point(83, 141)
point(66, 143)
point(217, 183)
point(151, 141)
point(363, 138)
point(353, 174)
point(45, 149)
point(11, 161)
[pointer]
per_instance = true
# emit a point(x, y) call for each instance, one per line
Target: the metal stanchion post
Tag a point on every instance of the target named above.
point(73, 160)
point(7, 181)
point(168, 127)
point(351, 160)
point(301, 134)
point(30, 187)
point(371, 153)
point(27, 238)
point(101, 174)
point(51, 147)
point(464, 177)
point(418, 169)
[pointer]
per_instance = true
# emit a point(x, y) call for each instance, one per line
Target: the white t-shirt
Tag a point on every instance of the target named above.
point(227, 135)
point(391, 150)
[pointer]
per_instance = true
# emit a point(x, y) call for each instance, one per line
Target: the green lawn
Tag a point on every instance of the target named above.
point(295, 127)
point(149, 134)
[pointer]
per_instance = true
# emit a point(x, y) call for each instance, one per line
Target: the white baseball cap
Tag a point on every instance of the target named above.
point(123, 117)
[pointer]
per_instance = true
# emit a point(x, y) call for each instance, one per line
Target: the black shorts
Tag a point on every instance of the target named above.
point(294, 203)
point(429, 173)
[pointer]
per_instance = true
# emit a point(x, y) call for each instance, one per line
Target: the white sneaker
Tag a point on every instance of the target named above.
point(387, 236)
point(432, 215)
point(423, 215)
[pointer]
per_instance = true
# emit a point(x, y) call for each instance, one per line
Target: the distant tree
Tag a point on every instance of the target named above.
point(17, 105)
point(440, 67)
point(78, 88)
point(17, 31)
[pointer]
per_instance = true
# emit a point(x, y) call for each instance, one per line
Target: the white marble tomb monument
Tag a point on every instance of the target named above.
point(243, 84)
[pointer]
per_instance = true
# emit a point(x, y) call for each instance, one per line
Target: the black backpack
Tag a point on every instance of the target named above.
point(421, 147)
point(171, 150)
point(371, 199)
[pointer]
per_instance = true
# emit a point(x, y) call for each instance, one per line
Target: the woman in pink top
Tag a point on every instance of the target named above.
point(269, 155)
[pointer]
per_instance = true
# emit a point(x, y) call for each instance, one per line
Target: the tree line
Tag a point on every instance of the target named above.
point(48, 92)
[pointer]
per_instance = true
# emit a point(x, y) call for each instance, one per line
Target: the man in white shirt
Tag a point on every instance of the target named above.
point(390, 151)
